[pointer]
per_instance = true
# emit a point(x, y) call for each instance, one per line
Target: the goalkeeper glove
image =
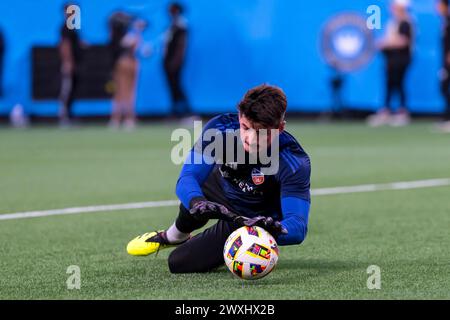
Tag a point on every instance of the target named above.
point(203, 209)
point(274, 227)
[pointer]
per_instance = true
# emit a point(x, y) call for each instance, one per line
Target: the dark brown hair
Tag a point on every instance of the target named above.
point(175, 6)
point(265, 105)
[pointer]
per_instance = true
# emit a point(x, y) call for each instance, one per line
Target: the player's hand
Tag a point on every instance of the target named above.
point(274, 227)
point(203, 209)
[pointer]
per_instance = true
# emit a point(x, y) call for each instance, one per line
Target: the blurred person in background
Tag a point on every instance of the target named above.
point(70, 55)
point(2, 52)
point(396, 47)
point(443, 9)
point(174, 54)
point(126, 38)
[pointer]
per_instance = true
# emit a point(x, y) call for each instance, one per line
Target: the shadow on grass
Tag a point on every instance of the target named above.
point(297, 270)
point(322, 265)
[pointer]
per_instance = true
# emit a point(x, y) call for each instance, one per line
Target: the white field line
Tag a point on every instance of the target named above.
point(384, 186)
point(111, 207)
point(405, 185)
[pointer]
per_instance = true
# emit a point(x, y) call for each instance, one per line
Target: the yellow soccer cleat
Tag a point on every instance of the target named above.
point(148, 243)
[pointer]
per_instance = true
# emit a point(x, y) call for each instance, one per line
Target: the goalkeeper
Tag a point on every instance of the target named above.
point(238, 192)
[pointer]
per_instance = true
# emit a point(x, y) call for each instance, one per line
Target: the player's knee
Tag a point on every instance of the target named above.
point(176, 263)
point(180, 261)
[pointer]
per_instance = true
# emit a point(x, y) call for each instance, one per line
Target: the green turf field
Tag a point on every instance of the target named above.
point(405, 232)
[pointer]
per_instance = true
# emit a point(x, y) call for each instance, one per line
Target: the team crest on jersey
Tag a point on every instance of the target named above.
point(257, 177)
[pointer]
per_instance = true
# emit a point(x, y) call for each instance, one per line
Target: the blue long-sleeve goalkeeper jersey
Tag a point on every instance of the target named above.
point(283, 195)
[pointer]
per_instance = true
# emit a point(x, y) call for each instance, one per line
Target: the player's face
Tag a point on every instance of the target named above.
point(173, 11)
point(441, 8)
point(255, 136)
point(398, 11)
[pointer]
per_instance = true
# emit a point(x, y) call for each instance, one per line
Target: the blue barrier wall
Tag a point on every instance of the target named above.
point(233, 45)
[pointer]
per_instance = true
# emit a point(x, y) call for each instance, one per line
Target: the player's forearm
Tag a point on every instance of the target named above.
point(297, 229)
point(295, 219)
point(187, 189)
point(195, 171)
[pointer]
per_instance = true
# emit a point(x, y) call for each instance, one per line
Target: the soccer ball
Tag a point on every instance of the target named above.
point(250, 253)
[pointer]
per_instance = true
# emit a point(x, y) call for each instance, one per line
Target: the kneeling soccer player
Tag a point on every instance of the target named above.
point(212, 187)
